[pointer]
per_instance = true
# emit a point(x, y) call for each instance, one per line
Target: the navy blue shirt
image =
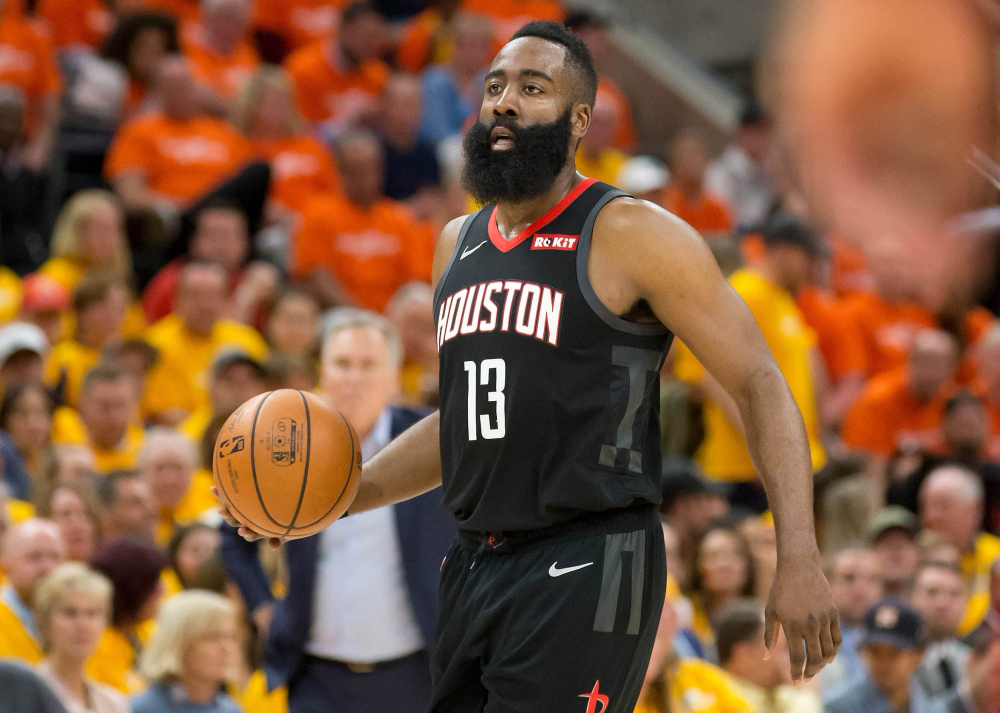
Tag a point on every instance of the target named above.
point(406, 172)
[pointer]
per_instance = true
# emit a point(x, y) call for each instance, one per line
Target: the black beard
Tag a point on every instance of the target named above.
point(525, 171)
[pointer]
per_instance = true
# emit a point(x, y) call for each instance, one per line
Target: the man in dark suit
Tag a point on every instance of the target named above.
point(353, 632)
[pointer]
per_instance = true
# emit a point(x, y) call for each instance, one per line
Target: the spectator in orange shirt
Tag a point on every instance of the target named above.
point(430, 36)
point(901, 409)
point(358, 250)
point(184, 11)
point(222, 55)
point(338, 80)
point(27, 62)
point(76, 25)
point(301, 166)
point(137, 44)
point(283, 26)
point(685, 197)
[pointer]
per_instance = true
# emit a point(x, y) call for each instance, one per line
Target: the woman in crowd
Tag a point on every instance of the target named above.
point(723, 571)
point(26, 416)
point(293, 325)
point(134, 567)
point(73, 507)
point(191, 656)
point(190, 547)
point(72, 604)
point(136, 45)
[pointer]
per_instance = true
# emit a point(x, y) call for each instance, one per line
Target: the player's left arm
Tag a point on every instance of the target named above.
point(641, 252)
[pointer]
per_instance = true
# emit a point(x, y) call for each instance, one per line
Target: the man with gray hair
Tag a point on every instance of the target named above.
point(353, 632)
point(951, 506)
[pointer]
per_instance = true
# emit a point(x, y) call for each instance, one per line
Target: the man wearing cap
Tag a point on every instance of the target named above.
point(768, 289)
point(23, 348)
point(892, 536)
point(236, 378)
point(740, 175)
point(893, 646)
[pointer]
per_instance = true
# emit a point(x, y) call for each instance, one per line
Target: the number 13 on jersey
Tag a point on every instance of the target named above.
point(483, 424)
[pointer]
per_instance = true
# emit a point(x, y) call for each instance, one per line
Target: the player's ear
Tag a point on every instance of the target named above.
point(580, 120)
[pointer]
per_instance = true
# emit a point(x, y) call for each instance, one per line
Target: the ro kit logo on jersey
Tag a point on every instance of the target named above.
point(555, 242)
point(529, 309)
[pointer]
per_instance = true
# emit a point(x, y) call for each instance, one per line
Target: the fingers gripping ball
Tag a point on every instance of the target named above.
point(287, 464)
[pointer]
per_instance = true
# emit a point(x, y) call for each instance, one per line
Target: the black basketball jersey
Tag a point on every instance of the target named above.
point(549, 401)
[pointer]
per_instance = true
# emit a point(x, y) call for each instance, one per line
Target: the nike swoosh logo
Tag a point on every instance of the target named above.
point(557, 572)
point(469, 251)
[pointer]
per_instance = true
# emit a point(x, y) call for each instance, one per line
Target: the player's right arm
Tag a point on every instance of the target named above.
point(411, 464)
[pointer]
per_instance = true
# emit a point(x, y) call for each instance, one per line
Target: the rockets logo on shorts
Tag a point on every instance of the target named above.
point(524, 307)
point(555, 242)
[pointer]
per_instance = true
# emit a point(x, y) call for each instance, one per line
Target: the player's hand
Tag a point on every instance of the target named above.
point(802, 603)
point(245, 532)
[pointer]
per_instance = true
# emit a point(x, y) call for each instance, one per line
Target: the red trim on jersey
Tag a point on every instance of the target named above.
point(505, 246)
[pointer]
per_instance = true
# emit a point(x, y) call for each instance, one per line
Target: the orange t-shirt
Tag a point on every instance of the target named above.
point(181, 159)
point(76, 23)
point(301, 168)
point(299, 22)
point(426, 40)
point(886, 330)
point(625, 138)
point(510, 15)
point(372, 253)
point(325, 92)
point(26, 62)
point(885, 415)
point(839, 343)
point(184, 10)
point(225, 75)
point(707, 216)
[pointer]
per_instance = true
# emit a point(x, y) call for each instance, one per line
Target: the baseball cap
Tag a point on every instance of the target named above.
point(642, 174)
point(890, 622)
point(21, 336)
point(682, 478)
point(892, 517)
point(227, 357)
point(43, 294)
point(786, 229)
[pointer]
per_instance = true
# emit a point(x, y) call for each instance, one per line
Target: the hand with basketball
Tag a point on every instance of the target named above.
point(286, 465)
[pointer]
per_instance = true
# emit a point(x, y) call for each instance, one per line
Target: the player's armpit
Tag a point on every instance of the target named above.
point(445, 247)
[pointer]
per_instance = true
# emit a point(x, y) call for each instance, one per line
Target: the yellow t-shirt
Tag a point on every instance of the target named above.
point(180, 377)
point(256, 699)
point(723, 455)
point(15, 641)
point(11, 293)
point(113, 664)
point(975, 567)
point(69, 274)
point(604, 168)
point(700, 687)
point(18, 511)
point(68, 429)
point(64, 271)
point(194, 426)
point(196, 503)
point(71, 360)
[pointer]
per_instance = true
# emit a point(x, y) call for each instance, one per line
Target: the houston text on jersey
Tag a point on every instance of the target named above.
point(529, 309)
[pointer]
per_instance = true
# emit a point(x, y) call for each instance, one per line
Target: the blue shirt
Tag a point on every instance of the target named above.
point(864, 697)
point(172, 698)
point(445, 110)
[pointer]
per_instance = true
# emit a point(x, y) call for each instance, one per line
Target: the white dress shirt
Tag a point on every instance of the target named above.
point(361, 608)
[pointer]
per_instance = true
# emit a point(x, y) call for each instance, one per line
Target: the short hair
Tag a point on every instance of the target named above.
point(133, 565)
point(66, 579)
point(106, 373)
point(183, 618)
point(221, 204)
point(970, 484)
point(940, 566)
point(93, 290)
point(160, 437)
point(341, 318)
point(356, 10)
point(962, 398)
point(107, 487)
point(578, 58)
point(741, 622)
point(353, 136)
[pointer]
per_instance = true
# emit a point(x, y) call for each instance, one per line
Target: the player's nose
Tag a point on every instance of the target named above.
point(506, 104)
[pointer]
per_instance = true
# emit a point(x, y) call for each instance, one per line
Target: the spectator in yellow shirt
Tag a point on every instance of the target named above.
point(108, 412)
point(768, 289)
point(951, 506)
point(190, 337)
point(10, 295)
point(128, 508)
point(236, 378)
point(30, 551)
point(168, 463)
point(675, 685)
point(99, 306)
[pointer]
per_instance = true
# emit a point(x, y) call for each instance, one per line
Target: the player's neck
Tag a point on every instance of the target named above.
point(512, 218)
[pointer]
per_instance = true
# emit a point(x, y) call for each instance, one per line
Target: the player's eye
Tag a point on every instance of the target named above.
point(492, 88)
point(533, 89)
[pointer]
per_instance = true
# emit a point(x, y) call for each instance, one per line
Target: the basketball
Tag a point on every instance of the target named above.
point(287, 464)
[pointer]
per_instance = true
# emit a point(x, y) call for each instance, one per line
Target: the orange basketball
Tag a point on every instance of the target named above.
point(287, 464)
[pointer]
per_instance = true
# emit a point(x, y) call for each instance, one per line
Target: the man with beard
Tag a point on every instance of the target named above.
point(555, 305)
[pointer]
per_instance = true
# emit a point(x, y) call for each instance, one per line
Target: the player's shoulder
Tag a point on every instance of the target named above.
point(445, 248)
point(641, 220)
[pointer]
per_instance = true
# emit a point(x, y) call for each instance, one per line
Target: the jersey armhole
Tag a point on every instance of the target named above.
point(472, 217)
point(587, 289)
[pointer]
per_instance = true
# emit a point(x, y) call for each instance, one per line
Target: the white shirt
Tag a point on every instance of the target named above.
point(361, 608)
point(743, 184)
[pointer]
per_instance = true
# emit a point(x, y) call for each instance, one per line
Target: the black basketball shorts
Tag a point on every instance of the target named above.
point(561, 624)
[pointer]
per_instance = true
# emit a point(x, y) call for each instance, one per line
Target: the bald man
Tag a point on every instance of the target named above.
point(30, 551)
point(951, 506)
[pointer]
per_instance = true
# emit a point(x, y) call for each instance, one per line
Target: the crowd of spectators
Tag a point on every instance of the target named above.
point(203, 201)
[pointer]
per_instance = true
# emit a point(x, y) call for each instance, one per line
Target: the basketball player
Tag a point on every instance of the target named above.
point(555, 307)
